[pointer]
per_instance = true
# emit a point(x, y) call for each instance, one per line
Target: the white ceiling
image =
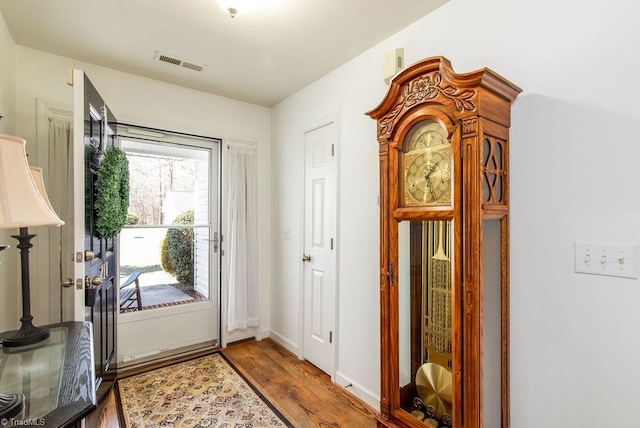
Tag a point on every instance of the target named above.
point(260, 57)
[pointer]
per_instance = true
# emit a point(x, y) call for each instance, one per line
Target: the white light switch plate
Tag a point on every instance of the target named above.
point(611, 259)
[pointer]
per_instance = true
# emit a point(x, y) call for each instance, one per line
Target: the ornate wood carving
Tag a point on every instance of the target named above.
point(470, 127)
point(383, 147)
point(430, 87)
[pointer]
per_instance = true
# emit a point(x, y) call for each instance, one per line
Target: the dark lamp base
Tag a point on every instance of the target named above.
point(27, 335)
point(11, 405)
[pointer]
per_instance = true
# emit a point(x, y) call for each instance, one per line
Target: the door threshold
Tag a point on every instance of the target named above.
point(166, 358)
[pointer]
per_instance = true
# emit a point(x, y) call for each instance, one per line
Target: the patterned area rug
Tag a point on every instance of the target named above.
point(205, 392)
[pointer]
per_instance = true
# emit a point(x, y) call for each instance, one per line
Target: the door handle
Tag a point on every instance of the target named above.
point(306, 258)
point(92, 281)
point(67, 283)
point(214, 240)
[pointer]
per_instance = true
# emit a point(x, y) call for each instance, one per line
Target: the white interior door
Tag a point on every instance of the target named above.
point(320, 213)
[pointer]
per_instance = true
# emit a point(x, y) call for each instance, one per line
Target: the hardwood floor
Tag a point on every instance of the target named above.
point(299, 390)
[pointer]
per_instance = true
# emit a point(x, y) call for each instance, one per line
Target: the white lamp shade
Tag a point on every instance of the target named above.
point(22, 203)
point(38, 178)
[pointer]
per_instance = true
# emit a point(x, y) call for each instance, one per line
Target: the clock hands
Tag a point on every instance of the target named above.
point(431, 167)
point(427, 177)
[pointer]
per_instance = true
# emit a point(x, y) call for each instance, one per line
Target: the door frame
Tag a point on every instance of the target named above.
point(335, 119)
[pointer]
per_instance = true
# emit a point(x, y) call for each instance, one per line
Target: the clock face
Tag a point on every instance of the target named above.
point(427, 166)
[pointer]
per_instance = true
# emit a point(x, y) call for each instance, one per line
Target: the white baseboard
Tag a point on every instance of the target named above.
point(289, 345)
point(263, 334)
point(358, 390)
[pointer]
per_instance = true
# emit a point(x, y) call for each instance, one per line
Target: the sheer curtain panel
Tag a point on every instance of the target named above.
point(242, 250)
point(60, 188)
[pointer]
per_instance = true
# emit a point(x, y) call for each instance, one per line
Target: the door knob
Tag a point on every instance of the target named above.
point(306, 258)
point(67, 283)
point(92, 281)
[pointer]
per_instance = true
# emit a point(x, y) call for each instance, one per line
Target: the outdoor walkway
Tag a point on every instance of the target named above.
point(158, 290)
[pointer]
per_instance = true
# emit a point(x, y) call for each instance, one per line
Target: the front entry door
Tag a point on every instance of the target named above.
point(95, 258)
point(173, 243)
point(320, 212)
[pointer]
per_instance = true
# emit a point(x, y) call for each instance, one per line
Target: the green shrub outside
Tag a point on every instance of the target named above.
point(177, 251)
point(131, 219)
point(165, 259)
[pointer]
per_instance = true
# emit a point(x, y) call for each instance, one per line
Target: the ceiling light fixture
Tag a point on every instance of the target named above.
point(235, 7)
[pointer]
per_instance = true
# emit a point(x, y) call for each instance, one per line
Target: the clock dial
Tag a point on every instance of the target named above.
point(428, 177)
point(427, 136)
point(427, 166)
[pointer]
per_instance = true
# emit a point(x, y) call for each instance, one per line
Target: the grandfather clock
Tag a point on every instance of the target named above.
point(444, 247)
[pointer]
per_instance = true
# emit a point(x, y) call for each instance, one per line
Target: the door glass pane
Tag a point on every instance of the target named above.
point(168, 234)
point(425, 318)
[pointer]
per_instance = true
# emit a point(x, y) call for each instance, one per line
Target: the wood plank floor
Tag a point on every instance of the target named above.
point(299, 390)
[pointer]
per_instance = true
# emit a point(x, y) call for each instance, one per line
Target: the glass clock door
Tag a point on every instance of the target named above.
point(425, 318)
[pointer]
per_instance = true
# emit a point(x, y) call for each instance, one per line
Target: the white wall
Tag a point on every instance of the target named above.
point(9, 286)
point(574, 338)
point(148, 102)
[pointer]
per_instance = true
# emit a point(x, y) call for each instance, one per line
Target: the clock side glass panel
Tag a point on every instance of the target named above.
point(426, 165)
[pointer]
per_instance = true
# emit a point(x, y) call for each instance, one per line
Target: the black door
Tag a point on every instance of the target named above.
point(100, 253)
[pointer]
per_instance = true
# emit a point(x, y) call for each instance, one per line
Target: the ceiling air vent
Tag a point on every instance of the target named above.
point(172, 59)
point(192, 66)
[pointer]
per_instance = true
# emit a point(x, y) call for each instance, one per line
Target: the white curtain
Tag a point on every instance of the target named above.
point(60, 190)
point(242, 247)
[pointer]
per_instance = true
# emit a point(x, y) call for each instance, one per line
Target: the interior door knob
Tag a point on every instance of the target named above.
point(306, 258)
point(67, 283)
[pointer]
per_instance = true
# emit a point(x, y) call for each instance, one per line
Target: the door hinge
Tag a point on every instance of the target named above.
point(332, 243)
point(390, 273)
point(330, 337)
point(333, 150)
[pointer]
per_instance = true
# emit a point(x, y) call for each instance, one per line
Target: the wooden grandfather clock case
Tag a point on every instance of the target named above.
point(444, 247)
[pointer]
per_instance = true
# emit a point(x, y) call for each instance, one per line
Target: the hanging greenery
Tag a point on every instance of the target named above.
point(112, 193)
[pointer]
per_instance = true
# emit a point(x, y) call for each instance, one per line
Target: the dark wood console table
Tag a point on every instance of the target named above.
point(56, 375)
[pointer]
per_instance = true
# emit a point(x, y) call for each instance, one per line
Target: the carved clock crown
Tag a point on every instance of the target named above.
point(433, 80)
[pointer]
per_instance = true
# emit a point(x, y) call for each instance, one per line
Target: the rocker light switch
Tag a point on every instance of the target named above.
point(608, 259)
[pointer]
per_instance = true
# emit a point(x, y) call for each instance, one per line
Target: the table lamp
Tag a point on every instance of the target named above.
point(23, 203)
